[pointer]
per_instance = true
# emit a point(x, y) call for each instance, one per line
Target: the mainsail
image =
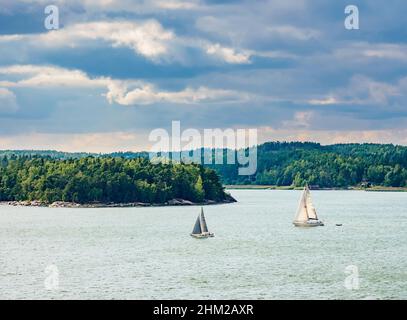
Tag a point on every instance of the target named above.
point(204, 226)
point(305, 209)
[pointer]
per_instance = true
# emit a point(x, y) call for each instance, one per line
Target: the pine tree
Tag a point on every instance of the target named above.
point(199, 190)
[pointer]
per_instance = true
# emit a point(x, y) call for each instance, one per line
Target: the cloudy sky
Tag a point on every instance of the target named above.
point(117, 69)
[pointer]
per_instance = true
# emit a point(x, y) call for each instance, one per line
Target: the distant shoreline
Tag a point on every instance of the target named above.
point(63, 204)
point(271, 187)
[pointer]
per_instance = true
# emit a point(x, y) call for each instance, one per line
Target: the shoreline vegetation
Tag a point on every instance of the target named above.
point(107, 182)
point(338, 166)
point(130, 179)
point(285, 164)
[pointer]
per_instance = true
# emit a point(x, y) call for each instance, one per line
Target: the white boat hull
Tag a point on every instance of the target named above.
point(308, 224)
point(203, 235)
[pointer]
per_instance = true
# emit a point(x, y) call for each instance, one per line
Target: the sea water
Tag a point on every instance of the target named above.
point(147, 253)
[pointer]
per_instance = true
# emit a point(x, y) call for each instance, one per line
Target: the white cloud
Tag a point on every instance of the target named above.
point(8, 101)
point(364, 52)
point(148, 94)
point(147, 38)
point(292, 32)
point(49, 76)
point(324, 101)
point(11, 38)
point(175, 5)
point(117, 91)
point(386, 51)
point(362, 90)
point(302, 119)
point(365, 90)
point(228, 54)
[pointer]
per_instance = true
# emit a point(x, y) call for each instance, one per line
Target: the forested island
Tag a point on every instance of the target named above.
point(129, 176)
point(110, 181)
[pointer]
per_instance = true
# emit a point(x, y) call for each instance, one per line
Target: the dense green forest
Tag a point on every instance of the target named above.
point(340, 165)
point(294, 163)
point(118, 180)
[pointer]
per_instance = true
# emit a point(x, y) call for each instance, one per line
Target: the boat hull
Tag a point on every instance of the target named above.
point(308, 224)
point(202, 235)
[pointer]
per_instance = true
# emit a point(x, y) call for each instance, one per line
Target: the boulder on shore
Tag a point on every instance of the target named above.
point(27, 203)
point(63, 204)
point(180, 202)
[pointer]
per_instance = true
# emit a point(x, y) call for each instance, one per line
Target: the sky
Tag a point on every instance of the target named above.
point(117, 69)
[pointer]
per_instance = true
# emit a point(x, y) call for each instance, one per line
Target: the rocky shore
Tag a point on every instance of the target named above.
point(63, 204)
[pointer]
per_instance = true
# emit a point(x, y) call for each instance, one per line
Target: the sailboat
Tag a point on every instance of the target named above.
point(306, 214)
point(200, 228)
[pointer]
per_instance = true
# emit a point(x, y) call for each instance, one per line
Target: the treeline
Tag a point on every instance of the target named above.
point(340, 165)
point(105, 180)
point(295, 163)
point(46, 153)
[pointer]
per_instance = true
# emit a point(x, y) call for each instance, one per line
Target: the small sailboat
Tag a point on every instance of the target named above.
point(306, 214)
point(200, 228)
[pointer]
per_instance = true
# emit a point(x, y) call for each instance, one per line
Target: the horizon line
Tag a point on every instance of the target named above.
point(212, 148)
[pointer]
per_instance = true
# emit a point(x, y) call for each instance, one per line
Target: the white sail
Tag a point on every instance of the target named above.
point(302, 214)
point(312, 213)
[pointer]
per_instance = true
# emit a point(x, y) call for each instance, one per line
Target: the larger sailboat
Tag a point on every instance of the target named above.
point(306, 214)
point(200, 228)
